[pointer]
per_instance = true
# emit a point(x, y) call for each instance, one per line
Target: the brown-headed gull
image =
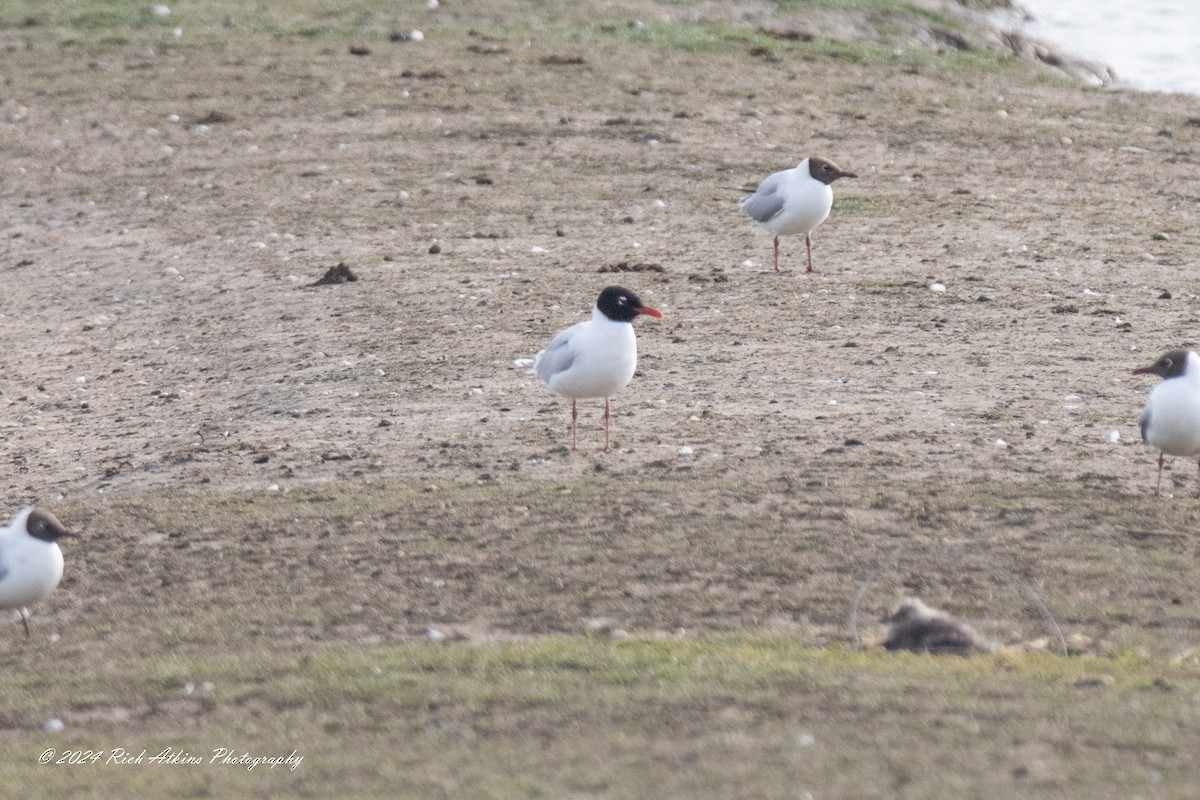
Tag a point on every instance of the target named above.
point(596, 358)
point(30, 562)
point(795, 201)
point(1171, 420)
point(917, 627)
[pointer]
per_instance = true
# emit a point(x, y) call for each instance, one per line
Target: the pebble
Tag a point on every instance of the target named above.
point(685, 451)
point(1001, 443)
point(161, 10)
point(435, 635)
point(1114, 436)
point(53, 725)
point(937, 287)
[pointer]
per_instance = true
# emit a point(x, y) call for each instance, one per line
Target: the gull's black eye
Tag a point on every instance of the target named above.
point(623, 300)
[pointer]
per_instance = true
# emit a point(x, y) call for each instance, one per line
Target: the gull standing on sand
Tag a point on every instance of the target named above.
point(596, 358)
point(1171, 420)
point(795, 201)
point(31, 564)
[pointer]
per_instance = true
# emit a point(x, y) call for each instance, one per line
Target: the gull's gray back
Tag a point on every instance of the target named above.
point(767, 200)
point(557, 357)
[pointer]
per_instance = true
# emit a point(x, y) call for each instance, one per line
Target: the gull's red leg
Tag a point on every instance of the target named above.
point(574, 417)
point(607, 449)
point(808, 246)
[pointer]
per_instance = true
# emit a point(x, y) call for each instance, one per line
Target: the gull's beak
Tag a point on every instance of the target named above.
point(650, 312)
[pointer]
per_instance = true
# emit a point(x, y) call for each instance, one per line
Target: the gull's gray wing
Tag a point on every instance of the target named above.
point(557, 357)
point(1144, 423)
point(4, 570)
point(767, 200)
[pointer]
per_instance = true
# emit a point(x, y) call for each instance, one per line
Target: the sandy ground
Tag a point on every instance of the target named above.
point(165, 213)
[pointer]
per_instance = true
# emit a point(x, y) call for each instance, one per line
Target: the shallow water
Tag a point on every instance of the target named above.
point(1150, 44)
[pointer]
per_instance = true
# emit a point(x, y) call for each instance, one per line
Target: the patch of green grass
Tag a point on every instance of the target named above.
point(689, 37)
point(703, 37)
point(867, 206)
point(115, 21)
point(714, 717)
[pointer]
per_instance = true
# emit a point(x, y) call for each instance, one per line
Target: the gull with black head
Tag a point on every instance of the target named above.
point(1170, 422)
point(31, 563)
point(595, 358)
point(795, 201)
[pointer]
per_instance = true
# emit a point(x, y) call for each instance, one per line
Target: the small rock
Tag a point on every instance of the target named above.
point(435, 248)
point(53, 725)
point(1166, 295)
point(937, 287)
point(215, 118)
point(1161, 237)
point(1092, 682)
point(435, 635)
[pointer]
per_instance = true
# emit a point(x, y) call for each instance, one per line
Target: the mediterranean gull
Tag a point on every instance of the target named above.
point(30, 562)
point(1171, 420)
point(795, 201)
point(596, 358)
